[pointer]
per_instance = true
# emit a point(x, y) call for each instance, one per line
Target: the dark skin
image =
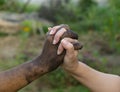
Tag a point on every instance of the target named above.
point(16, 78)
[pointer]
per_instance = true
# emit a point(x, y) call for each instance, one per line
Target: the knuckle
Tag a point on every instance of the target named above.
point(64, 39)
point(55, 27)
point(76, 41)
point(70, 46)
point(60, 47)
point(76, 53)
point(63, 29)
point(57, 36)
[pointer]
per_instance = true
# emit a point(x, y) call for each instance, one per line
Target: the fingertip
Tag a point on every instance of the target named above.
point(52, 31)
point(54, 41)
point(64, 41)
point(60, 49)
point(66, 44)
point(58, 52)
point(58, 35)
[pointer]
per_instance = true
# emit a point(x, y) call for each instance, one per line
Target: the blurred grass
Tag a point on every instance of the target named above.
point(98, 30)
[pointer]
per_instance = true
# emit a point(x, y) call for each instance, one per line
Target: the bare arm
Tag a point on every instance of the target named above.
point(96, 81)
point(16, 78)
point(93, 79)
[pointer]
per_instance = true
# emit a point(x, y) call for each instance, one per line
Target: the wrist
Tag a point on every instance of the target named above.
point(71, 68)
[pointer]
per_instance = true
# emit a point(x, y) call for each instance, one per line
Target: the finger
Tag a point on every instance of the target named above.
point(64, 26)
point(58, 35)
point(68, 46)
point(53, 30)
point(76, 53)
point(76, 44)
point(70, 40)
point(70, 52)
point(61, 48)
point(57, 28)
point(70, 34)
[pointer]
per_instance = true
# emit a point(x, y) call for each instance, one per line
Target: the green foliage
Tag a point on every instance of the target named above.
point(7, 5)
point(88, 16)
point(62, 78)
point(17, 6)
point(86, 5)
point(28, 8)
point(54, 11)
point(72, 89)
point(3, 34)
point(114, 4)
point(2, 2)
point(31, 8)
point(84, 18)
point(33, 27)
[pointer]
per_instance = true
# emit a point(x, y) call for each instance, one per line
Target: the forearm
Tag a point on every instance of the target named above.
point(95, 80)
point(14, 79)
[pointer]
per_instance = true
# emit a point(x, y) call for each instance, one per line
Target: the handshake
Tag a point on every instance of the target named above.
point(60, 48)
point(54, 52)
point(60, 45)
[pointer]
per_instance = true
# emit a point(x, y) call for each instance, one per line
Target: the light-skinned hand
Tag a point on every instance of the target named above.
point(70, 60)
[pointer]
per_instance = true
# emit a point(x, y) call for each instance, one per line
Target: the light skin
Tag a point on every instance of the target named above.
point(95, 80)
point(18, 77)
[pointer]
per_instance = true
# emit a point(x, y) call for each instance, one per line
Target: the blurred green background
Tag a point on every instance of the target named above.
point(23, 24)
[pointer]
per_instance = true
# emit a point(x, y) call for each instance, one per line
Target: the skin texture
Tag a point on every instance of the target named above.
point(96, 81)
point(16, 78)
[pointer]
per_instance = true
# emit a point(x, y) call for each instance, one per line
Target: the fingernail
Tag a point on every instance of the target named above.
point(54, 41)
point(51, 32)
point(64, 42)
point(58, 52)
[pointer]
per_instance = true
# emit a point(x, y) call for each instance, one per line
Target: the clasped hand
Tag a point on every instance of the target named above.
point(59, 39)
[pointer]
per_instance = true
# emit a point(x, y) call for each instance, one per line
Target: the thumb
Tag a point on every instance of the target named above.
point(67, 46)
